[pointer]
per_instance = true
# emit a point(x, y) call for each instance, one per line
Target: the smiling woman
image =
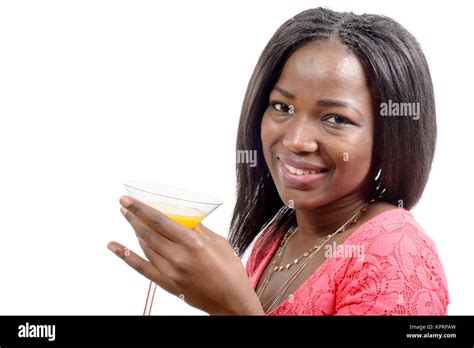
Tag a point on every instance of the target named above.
point(336, 175)
point(328, 173)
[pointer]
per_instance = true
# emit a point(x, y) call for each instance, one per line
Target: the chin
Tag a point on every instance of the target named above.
point(303, 201)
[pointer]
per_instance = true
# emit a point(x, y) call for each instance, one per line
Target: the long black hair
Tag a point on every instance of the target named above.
point(397, 71)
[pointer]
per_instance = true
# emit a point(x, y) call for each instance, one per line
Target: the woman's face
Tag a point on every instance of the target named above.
point(317, 132)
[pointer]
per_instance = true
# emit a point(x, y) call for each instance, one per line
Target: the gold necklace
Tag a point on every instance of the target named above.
point(309, 254)
point(278, 268)
point(281, 291)
point(344, 227)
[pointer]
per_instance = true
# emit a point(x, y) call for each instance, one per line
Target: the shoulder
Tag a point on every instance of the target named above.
point(400, 270)
point(387, 226)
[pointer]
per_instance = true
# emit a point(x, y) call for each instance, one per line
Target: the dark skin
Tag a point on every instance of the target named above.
point(197, 265)
point(300, 123)
point(200, 264)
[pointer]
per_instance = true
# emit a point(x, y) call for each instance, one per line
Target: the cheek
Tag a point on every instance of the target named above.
point(353, 156)
point(267, 129)
point(268, 135)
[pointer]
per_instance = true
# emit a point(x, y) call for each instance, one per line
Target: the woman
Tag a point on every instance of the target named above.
point(340, 110)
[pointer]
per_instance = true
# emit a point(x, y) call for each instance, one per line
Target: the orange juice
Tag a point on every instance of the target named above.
point(186, 216)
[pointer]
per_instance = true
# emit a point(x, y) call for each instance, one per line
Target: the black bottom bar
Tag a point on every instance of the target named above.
point(192, 331)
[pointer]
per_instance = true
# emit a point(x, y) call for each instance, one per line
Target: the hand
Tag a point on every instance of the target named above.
point(201, 267)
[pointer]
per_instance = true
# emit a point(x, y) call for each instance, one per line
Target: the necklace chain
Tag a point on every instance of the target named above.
point(308, 255)
point(288, 236)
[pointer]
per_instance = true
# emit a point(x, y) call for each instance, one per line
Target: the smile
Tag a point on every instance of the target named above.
point(299, 171)
point(299, 178)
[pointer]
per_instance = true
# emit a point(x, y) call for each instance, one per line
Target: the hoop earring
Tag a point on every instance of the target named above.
point(379, 188)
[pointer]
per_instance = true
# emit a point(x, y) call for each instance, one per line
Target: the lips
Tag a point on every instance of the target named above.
point(298, 177)
point(300, 167)
point(299, 171)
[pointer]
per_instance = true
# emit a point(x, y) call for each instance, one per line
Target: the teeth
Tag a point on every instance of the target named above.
point(299, 171)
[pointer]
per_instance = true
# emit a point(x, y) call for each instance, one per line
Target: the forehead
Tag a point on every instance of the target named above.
point(328, 69)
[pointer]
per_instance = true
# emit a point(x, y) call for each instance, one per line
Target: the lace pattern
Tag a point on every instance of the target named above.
point(399, 273)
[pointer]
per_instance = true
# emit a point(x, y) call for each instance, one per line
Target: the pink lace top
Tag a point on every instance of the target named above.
point(399, 274)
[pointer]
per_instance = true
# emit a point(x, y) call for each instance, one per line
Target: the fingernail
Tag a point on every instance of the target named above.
point(125, 201)
point(113, 247)
point(123, 211)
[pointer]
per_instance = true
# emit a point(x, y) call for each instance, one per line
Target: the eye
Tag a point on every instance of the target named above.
point(287, 109)
point(339, 120)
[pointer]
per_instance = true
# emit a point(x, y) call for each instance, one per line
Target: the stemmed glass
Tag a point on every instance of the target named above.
point(182, 206)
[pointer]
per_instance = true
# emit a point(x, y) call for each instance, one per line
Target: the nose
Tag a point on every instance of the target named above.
point(301, 137)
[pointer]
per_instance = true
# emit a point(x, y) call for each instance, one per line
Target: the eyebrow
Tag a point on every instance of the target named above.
point(322, 102)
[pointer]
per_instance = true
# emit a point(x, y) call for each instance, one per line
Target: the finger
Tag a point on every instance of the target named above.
point(135, 261)
point(157, 274)
point(164, 265)
point(158, 221)
point(154, 240)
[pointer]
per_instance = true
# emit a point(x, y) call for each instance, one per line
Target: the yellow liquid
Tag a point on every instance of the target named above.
point(186, 216)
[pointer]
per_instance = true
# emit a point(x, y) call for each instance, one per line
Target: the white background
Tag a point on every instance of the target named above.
point(96, 92)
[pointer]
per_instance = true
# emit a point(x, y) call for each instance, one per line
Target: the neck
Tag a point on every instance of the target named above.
point(321, 221)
